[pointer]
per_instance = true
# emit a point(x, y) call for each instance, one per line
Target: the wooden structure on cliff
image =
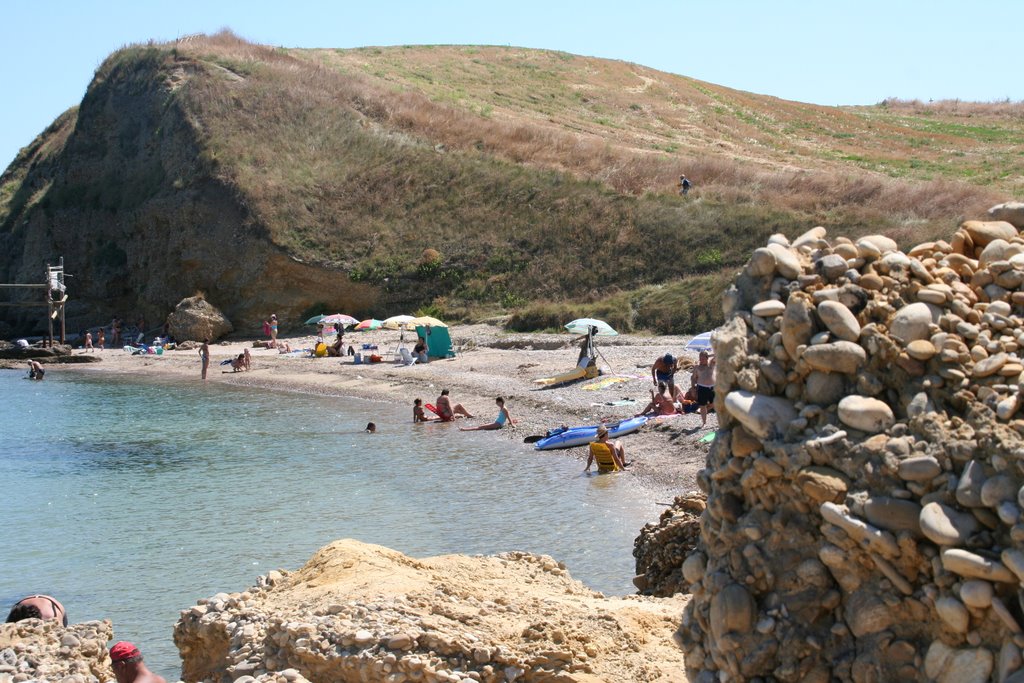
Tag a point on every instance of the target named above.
point(55, 300)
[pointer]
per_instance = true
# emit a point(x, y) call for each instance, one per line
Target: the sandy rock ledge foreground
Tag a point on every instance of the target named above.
point(864, 497)
point(359, 612)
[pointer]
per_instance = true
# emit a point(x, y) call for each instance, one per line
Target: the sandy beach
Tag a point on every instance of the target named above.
point(489, 362)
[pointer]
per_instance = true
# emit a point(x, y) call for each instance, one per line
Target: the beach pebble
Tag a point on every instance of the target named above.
point(840, 320)
point(912, 322)
point(943, 664)
point(976, 593)
point(921, 349)
point(971, 565)
point(732, 611)
point(824, 388)
point(984, 232)
point(768, 309)
point(831, 267)
point(968, 489)
point(990, 365)
point(953, 612)
point(943, 525)
point(823, 484)
point(893, 514)
point(787, 263)
point(762, 262)
point(762, 415)
point(997, 489)
point(919, 468)
point(865, 413)
point(842, 356)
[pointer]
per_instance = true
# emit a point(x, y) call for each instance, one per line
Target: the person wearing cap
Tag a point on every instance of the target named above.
point(38, 607)
point(126, 661)
point(610, 455)
point(664, 370)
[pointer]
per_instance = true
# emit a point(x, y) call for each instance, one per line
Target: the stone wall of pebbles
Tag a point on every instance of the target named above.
point(864, 505)
point(361, 613)
point(662, 547)
point(35, 650)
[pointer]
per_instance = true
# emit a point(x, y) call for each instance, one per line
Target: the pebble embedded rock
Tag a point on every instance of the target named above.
point(945, 526)
point(866, 414)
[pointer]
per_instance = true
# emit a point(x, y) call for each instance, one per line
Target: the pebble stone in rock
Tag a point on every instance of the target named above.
point(921, 349)
point(893, 514)
point(866, 414)
point(732, 611)
point(768, 309)
point(824, 388)
point(832, 267)
point(983, 232)
point(911, 322)
point(971, 565)
point(1011, 212)
point(997, 489)
point(786, 262)
point(968, 489)
point(943, 525)
point(841, 356)
point(976, 593)
point(919, 468)
point(839, 320)
point(761, 415)
point(762, 262)
point(1014, 561)
point(953, 612)
point(823, 484)
point(797, 324)
point(990, 365)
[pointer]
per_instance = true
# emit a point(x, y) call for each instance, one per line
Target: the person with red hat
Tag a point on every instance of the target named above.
point(126, 660)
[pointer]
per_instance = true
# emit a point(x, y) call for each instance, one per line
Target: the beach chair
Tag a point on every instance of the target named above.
point(406, 356)
point(439, 342)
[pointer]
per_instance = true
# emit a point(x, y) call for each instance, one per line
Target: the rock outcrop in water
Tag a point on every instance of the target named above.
point(36, 650)
point(359, 612)
point(863, 519)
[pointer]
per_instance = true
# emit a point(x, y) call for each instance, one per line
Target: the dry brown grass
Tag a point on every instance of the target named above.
point(957, 108)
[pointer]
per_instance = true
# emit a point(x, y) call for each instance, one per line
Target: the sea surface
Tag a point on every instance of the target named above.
point(129, 500)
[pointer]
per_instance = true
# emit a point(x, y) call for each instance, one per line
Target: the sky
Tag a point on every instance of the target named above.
point(827, 52)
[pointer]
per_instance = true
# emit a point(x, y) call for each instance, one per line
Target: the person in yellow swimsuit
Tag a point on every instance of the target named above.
point(610, 455)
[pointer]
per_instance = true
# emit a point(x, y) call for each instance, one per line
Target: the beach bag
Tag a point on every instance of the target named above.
point(266, 328)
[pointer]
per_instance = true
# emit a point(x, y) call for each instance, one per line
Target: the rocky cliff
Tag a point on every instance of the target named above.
point(358, 612)
point(35, 650)
point(863, 519)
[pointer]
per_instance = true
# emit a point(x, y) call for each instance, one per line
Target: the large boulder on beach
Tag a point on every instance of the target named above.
point(196, 319)
point(1011, 212)
point(878, 523)
point(361, 612)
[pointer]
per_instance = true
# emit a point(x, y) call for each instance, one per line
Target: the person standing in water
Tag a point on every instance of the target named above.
point(126, 661)
point(204, 354)
point(503, 418)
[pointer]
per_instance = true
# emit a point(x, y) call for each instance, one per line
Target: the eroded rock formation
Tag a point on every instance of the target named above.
point(359, 612)
point(663, 546)
point(863, 520)
point(195, 319)
point(36, 650)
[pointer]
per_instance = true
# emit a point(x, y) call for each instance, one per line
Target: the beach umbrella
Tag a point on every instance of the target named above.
point(339, 319)
point(425, 320)
point(316, 319)
point(583, 325)
point(702, 342)
point(369, 324)
point(398, 322)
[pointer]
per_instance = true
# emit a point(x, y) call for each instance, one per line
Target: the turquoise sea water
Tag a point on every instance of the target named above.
point(130, 500)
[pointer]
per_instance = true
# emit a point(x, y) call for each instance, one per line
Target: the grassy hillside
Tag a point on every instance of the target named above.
point(468, 181)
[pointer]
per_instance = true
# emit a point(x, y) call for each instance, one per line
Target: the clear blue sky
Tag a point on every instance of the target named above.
point(822, 51)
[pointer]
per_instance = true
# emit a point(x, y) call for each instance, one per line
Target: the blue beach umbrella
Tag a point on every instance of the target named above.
point(315, 319)
point(702, 342)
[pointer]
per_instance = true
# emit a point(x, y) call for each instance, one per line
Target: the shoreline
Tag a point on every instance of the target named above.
point(489, 362)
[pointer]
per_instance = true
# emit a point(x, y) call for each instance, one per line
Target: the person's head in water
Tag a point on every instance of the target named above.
point(371, 428)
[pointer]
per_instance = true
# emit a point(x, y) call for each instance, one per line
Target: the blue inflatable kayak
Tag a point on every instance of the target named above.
point(581, 436)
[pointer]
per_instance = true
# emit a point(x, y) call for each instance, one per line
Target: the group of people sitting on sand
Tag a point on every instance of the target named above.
point(669, 399)
point(445, 411)
point(125, 659)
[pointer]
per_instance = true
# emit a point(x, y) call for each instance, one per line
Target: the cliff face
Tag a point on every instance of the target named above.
point(359, 612)
point(123, 190)
point(35, 650)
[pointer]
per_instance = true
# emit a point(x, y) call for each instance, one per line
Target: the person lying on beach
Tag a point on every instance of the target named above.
point(418, 415)
point(499, 422)
point(610, 455)
point(126, 661)
point(661, 403)
point(448, 412)
point(38, 607)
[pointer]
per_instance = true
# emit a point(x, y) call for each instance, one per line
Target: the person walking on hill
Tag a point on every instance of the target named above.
point(684, 185)
point(126, 661)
